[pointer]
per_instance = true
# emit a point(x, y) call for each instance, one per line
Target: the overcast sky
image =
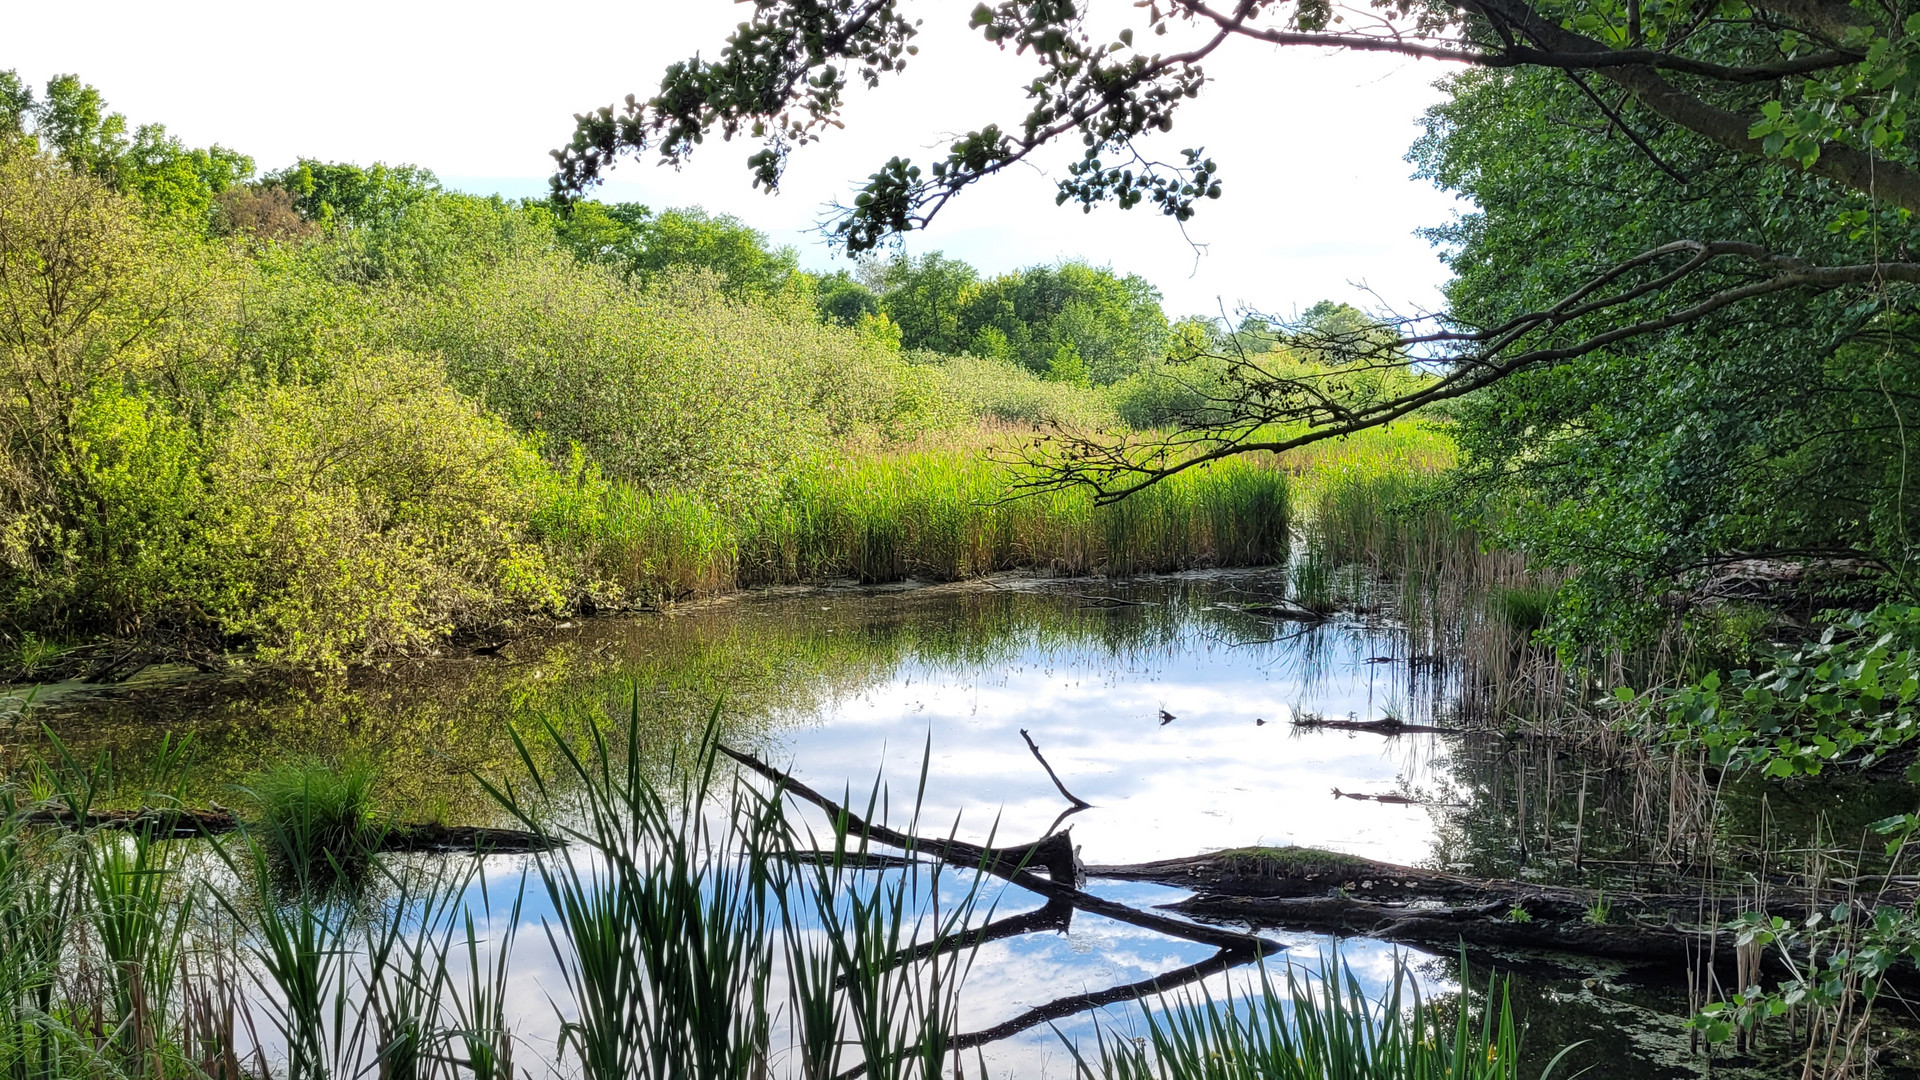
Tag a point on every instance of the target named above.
point(1318, 197)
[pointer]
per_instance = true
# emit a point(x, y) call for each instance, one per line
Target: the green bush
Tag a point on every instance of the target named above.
point(376, 511)
point(674, 387)
point(1853, 696)
point(109, 337)
point(1172, 394)
point(1001, 390)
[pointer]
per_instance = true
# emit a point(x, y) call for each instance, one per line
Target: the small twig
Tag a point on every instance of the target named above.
point(1078, 802)
point(1064, 815)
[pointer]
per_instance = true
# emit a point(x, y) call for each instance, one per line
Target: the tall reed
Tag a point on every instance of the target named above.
point(927, 513)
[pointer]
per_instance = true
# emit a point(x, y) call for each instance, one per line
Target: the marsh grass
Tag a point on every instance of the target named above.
point(317, 814)
point(936, 515)
point(933, 513)
point(1522, 608)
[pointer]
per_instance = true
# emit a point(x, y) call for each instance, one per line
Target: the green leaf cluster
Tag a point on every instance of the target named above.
point(1852, 696)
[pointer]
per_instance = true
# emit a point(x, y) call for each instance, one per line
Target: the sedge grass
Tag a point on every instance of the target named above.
point(317, 813)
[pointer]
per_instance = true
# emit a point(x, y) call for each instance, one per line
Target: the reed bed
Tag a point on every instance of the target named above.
point(932, 514)
point(1320, 1024)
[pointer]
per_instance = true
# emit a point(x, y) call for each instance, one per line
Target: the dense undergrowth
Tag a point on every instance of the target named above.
point(360, 437)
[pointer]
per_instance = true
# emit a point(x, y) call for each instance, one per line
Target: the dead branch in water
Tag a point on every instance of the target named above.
point(1055, 852)
point(1077, 801)
point(1389, 726)
point(1391, 799)
point(1310, 889)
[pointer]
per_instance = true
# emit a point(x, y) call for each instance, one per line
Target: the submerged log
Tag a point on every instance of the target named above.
point(1388, 726)
point(1497, 924)
point(1286, 611)
point(183, 822)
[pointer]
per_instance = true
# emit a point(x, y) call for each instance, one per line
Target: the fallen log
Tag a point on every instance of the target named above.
point(1284, 610)
point(1388, 726)
point(1446, 927)
point(184, 823)
point(1304, 888)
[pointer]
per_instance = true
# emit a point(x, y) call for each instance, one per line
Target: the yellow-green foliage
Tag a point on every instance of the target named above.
point(1002, 390)
point(674, 388)
point(365, 442)
point(108, 328)
point(375, 511)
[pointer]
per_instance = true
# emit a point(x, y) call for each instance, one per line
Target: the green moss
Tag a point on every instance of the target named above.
point(1291, 860)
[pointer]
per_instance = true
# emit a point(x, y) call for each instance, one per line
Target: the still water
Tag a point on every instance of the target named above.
point(853, 687)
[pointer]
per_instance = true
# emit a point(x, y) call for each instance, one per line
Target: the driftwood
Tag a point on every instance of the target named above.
point(1285, 610)
point(182, 822)
point(1391, 799)
point(1447, 927)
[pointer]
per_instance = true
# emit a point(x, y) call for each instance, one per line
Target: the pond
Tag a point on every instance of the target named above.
point(1182, 717)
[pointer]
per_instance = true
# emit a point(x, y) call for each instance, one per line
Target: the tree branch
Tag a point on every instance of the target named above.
point(1116, 470)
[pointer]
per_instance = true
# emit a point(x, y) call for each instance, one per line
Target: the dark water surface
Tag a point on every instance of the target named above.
point(848, 685)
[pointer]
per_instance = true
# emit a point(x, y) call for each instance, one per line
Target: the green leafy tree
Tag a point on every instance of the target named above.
point(644, 245)
point(1775, 114)
point(336, 193)
point(843, 300)
point(1114, 324)
point(927, 297)
point(1775, 426)
point(72, 122)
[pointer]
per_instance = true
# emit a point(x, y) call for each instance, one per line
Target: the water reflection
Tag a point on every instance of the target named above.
point(845, 686)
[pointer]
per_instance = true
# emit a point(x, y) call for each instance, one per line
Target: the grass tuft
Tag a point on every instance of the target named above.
point(317, 814)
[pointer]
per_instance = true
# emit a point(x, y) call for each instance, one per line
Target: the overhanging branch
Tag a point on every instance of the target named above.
point(1114, 469)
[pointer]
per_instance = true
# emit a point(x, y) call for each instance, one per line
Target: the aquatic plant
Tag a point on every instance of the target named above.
point(317, 814)
point(1321, 1024)
point(1523, 608)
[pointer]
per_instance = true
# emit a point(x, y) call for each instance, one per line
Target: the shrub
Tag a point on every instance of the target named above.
point(994, 389)
point(109, 338)
point(375, 511)
point(1171, 394)
point(673, 388)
